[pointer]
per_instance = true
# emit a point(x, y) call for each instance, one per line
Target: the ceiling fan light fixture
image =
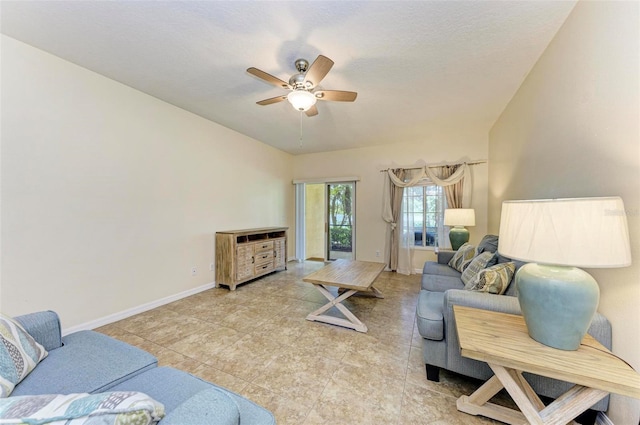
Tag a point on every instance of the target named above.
point(302, 100)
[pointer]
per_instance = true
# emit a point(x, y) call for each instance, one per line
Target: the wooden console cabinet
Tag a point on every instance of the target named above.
point(242, 255)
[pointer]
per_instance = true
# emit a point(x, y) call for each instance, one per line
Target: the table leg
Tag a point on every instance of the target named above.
point(352, 323)
point(478, 404)
point(561, 411)
point(376, 292)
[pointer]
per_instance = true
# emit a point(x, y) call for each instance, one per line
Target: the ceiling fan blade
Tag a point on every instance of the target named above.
point(313, 111)
point(268, 78)
point(272, 100)
point(318, 70)
point(336, 95)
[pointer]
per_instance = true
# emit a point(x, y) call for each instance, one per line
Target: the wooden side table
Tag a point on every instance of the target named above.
point(502, 341)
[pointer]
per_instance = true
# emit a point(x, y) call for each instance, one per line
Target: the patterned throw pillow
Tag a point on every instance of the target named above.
point(479, 262)
point(19, 354)
point(494, 279)
point(463, 257)
point(116, 407)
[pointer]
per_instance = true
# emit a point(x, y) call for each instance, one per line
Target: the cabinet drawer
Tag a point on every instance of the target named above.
point(264, 257)
point(264, 268)
point(264, 246)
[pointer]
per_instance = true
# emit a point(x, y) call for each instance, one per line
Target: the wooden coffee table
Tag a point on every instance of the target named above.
point(354, 276)
point(503, 342)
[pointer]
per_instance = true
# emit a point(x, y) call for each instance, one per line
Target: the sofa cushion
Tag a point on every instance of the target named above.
point(82, 409)
point(463, 257)
point(19, 354)
point(88, 362)
point(173, 387)
point(429, 315)
point(494, 279)
point(481, 261)
point(433, 268)
point(440, 283)
point(206, 407)
point(488, 243)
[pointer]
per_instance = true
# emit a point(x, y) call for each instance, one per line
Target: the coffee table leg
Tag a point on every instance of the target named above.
point(376, 292)
point(352, 323)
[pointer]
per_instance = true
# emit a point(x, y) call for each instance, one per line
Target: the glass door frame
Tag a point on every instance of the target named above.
point(300, 195)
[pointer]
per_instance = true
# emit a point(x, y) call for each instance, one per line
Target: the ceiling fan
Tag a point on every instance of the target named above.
point(303, 95)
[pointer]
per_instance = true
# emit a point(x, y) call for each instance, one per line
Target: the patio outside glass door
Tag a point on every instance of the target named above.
point(340, 220)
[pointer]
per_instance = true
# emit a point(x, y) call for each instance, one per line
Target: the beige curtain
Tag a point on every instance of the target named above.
point(453, 192)
point(459, 174)
point(450, 177)
point(391, 214)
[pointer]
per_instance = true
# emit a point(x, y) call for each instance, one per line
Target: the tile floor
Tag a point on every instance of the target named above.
point(255, 341)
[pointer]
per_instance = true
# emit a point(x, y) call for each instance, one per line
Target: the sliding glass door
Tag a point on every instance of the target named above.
point(340, 220)
point(325, 220)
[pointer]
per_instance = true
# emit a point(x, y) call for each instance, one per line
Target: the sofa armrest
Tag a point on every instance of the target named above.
point(600, 329)
point(445, 255)
point(44, 327)
point(481, 300)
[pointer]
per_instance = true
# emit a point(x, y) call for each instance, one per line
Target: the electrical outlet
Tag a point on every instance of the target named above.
point(377, 253)
point(194, 271)
point(212, 267)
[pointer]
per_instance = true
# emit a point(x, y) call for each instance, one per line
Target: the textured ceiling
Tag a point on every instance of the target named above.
point(419, 67)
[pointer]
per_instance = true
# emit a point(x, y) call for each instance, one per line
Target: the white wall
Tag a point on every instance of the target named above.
point(573, 130)
point(110, 196)
point(366, 164)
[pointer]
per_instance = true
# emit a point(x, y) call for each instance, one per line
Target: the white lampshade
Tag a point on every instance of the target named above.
point(579, 232)
point(459, 217)
point(302, 100)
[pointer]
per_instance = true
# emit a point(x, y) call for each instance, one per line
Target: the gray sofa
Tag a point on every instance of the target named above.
point(90, 362)
point(442, 288)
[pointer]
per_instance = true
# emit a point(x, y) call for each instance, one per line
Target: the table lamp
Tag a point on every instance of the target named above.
point(459, 217)
point(558, 299)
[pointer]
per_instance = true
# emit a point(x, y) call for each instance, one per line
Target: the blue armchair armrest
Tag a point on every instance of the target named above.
point(44, 327)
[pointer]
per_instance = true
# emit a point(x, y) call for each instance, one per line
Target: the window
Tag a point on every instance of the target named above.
point(423, 212)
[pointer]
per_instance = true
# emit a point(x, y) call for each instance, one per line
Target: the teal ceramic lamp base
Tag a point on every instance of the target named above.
point(557, 303)
point(458, 236)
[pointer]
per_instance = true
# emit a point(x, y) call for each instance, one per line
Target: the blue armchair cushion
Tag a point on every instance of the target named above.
point(19, 354)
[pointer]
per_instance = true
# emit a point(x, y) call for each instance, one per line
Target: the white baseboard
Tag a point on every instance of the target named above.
point(136, 310)
point(603, 419)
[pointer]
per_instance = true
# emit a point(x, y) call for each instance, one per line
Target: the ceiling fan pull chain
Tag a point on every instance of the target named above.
point(301, 129)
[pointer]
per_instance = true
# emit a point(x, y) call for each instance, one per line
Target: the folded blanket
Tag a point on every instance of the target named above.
point(110, 408)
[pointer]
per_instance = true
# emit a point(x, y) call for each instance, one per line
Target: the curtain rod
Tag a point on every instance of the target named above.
point(444, 164)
